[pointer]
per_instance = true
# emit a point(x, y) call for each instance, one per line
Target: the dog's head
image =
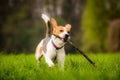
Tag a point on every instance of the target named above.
point(61, 31)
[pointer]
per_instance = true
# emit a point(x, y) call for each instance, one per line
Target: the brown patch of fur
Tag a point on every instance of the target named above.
point(54, 23)
point(58, 30)
point(40, 50)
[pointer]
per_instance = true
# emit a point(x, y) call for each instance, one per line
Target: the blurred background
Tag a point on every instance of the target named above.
point(95, 24)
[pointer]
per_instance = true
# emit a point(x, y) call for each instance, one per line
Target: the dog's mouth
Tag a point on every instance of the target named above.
point(65, 39)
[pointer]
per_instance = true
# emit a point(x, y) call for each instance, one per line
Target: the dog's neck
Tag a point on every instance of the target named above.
point(57, 42)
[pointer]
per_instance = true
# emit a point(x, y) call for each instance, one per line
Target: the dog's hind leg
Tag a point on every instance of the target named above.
point(39, 52)
point(39, 55)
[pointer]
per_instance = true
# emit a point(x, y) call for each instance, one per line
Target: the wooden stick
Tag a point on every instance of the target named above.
point(82, 53)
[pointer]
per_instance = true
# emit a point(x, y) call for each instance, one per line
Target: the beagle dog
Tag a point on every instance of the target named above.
point(52, 46)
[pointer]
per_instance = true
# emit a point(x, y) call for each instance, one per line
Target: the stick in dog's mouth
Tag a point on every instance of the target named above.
point(66, 38)
point(63, 39)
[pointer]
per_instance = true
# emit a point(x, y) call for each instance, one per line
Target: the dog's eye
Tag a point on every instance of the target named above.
point(61, 30)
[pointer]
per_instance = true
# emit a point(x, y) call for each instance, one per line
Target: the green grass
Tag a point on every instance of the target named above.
point(24, 67)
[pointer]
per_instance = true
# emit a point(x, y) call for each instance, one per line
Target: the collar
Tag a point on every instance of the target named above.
point(57, 48)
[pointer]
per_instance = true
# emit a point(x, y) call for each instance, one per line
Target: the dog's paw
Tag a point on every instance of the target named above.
point(51, 65)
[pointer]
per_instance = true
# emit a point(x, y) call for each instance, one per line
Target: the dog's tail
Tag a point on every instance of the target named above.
point(47, 22)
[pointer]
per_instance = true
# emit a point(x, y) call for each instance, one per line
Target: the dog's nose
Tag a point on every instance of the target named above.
point(66, 35)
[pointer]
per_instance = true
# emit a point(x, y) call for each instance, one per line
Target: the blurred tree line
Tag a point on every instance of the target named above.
point(22, 27)
point(101, 26)
point(93, 21)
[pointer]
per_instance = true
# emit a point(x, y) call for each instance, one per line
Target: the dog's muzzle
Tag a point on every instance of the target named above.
point(66, 37)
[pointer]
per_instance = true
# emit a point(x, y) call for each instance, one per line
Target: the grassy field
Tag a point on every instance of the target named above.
point(24, 67)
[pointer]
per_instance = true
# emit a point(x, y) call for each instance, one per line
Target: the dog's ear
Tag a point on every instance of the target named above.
point(68, 27)
point(54, 23)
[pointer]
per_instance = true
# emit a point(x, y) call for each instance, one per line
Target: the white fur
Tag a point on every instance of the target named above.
point(45, 18)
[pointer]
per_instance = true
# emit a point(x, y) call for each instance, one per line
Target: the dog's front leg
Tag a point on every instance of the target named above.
point(49, 61)
point(48, 56)
point(61, 58)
